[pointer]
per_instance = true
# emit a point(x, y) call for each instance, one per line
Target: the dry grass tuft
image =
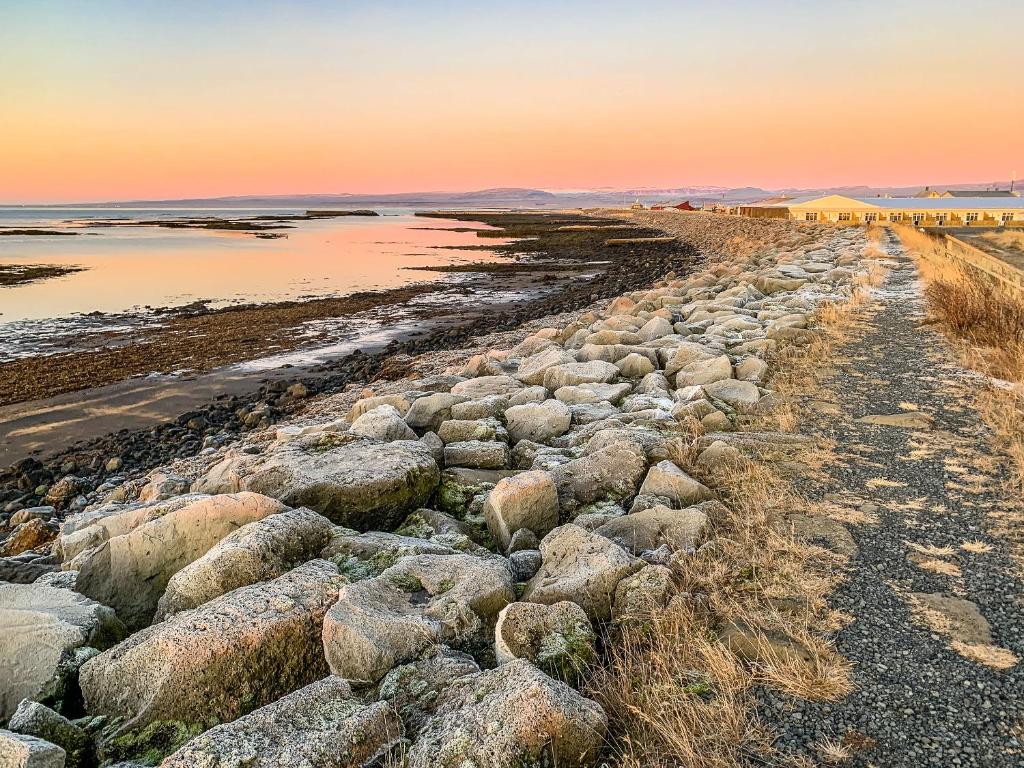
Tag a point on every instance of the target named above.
point(977, 547)
point(675, 692)
point(989, 655)
point(834, 752)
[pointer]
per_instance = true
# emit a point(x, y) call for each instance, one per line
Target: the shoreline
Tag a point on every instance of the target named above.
point(225, 415)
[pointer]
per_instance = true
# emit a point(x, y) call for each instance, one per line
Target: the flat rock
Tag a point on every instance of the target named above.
point(538, 422)
point(20, 751)
point(678, 529)
point(574, 374)
point(130, 572)
point(322, 725)
point(669, 481)
point(357, 483)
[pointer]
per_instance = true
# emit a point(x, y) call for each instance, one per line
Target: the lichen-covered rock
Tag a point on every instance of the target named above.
point(646, 591)
point(742, 396)
point(509, 717)
point(131, 571)
point(420, 601)
point(41, 627)
point(526, 500)
point(558, 638)
point(581, 567)
point(667, 480)
point(220, 660)
point(363, 555)
point(678, 529)
point(322, 725)
point(414, 689)
point(357, 483)
point(34, 719)
point(484, 386)
point(258, 551)
point(461, 430)
point(610, 473)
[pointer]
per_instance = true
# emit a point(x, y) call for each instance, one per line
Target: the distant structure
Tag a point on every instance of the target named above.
point(980, 193)
point(684, 206)
point(1005, 210)
point(769, 208)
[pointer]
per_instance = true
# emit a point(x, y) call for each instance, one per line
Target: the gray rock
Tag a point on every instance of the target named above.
point(477, 454)
point(34, 719)
point(41, 627)
point(20, 751)
point(421, 601)
point(414, 689)
point(522, 539)
point(356, 483)
point(609, 473)
point(524, 564)
point(321, 725)
point(678, 529)
point(573, 374)
point(508, 717)
point(581, 567)
point(221, 660)
point(427, 413)
point(742, 396)
point(484, 386)
point(130, 572)
point(259, 551)
point(461, 430)
point(384, 422)
point(537, 422)
point(669, 481)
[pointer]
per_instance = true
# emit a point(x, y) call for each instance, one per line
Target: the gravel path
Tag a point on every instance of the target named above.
point(919, 503)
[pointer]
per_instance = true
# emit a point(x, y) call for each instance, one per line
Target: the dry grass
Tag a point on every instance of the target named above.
point(675, 692)
point(977, 547)
point(1006, 238)
point(834, 752)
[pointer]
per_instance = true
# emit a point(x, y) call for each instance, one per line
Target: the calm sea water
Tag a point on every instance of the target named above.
point(128, 268)
point(131, 270)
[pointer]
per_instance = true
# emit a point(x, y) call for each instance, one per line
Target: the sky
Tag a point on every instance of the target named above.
point(117, 100)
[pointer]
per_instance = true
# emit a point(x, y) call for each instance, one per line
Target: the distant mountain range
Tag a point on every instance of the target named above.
point(516, 197)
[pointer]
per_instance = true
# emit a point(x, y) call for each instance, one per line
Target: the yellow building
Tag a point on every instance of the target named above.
point(924, 212)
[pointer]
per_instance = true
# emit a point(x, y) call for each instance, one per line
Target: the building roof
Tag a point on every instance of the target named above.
point(979, 193)
point(905, 203)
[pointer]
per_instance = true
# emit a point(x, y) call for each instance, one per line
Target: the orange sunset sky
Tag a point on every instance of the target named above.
point(112, 100)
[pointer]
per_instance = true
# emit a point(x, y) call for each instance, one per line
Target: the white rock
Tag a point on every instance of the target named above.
point(538, 422)
point(527, 500)
point(667, 480)
point(384, 422)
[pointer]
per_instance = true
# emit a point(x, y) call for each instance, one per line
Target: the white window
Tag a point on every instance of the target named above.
point(870, 217)
point(973, 216)
point(809, 216)
point(895, 217)
point(1007, 216)
point(844, 217)
point(918, 218)
point(940, 219)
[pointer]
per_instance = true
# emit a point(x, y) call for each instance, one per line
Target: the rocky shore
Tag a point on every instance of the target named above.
point(426, 569)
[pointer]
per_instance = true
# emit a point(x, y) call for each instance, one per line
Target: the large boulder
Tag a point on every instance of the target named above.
point(742, 396)
point(259, 551)
point(533, 369)
point(41, 628)
point(322, 725)
point(385, 422)
point(612, 472)
point(538, 422)
point(221, 660)
point(558, 638)
point(526, 500)
point(678, 529)
point(669, 481)
point(581, 567)
point(422, 600)
point(485, 386)
point(509, 717)
point(356, 483)
point(131, 571)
